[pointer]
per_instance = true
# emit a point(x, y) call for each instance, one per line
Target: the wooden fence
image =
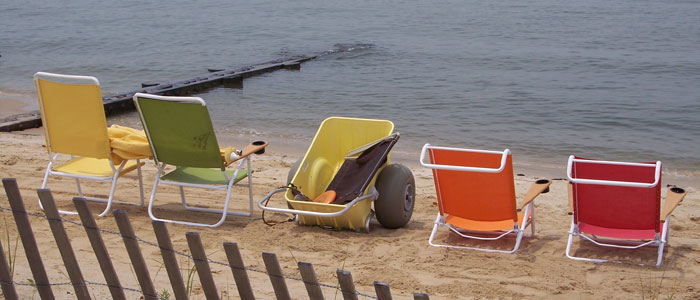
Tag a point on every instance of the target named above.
point(131, 241)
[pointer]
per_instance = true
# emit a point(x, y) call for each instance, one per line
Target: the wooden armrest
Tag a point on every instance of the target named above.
point(571, 198)
point(673, 198)
point(257, 147)
point(537, 188)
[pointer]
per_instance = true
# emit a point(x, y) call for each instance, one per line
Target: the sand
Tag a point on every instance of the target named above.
point(399, 257)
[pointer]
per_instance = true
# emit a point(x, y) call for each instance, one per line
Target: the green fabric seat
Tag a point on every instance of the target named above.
point(202, 176)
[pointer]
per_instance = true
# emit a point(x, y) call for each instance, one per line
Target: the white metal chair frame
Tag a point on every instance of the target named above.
point(228, 187)
point(659, 240)
point(518, 230)
point(53, 156)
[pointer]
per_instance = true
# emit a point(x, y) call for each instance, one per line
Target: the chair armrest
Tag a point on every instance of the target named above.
point(673, 198)
point(571, 198)
point(537, 188)
point(257, 147)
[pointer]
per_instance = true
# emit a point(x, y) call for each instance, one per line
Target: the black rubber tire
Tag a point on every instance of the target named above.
point(397, 195)
point(292, 170)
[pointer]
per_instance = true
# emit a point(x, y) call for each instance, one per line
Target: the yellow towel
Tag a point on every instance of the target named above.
point(130, 143)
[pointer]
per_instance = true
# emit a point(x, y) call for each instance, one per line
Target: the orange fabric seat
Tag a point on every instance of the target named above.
point(475, 225)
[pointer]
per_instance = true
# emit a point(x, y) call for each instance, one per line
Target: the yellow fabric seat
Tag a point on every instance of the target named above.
point(88, 166)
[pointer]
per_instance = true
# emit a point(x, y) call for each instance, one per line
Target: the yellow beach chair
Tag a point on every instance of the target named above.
point(345, 169)
point(74, 124)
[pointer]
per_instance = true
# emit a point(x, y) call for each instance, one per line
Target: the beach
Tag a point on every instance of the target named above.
point(402, 257)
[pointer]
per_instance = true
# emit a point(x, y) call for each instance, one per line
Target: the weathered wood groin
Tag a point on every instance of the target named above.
point(232, 78)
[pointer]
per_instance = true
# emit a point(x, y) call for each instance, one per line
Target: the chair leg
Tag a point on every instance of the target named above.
point(153, 196)
point(46, 180)
point(532, 222)
point(111, 195)
point(138, 164)
point(432, 234)
point(571, 241)
point(80, 191)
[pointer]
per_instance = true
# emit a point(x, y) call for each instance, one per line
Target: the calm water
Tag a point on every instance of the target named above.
point(605, 79)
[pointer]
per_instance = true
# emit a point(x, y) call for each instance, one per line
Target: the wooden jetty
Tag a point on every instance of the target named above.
point(232, 78)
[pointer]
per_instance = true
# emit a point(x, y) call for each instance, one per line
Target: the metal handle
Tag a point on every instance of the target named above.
point(504, 156)
point(372, 194)
point(657, 173)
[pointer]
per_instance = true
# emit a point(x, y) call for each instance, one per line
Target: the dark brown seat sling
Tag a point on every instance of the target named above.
point(355, 174)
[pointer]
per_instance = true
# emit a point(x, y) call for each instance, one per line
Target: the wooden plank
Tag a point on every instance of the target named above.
point(134, 251)
point(346, 285)
point(310, 281)
point(276, 276)
point(8, 288)
point(169, 260)
point(98, 246)
point(245, 290)
point(382, 290)
point(123, 102)
point(31, 249)
point(420, 296)
point(63, 243)
point(202, 265)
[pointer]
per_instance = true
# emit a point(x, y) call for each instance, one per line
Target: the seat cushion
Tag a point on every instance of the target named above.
point(632, 234)
point(202, 176)
point(474, 225)
point(88, 166)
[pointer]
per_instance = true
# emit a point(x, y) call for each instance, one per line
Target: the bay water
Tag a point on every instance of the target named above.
point(616, 80)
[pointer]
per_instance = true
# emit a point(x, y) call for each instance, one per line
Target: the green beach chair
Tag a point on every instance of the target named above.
point(181, 134)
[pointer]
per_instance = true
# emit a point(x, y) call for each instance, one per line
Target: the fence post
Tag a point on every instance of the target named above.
point(134, 251)
point(169, 260)
point(98, 245)
point(382, 290)
point(239, 273)
point(347, 287)
point(310, 280)
point(276, 276)
point(420, 296)
point(63, 243)
point(8, 288)
point(41, 281)
point(202, 265)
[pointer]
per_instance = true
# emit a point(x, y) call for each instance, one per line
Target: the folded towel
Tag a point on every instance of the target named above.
point(130, 143)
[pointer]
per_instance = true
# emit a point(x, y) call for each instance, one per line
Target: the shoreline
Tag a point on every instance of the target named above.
point(401, 257)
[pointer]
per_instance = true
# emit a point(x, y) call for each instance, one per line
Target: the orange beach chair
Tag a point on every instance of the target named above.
point(618, 204)
point(476, 195)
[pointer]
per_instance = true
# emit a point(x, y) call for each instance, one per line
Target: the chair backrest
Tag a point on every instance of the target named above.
point(179, 130)
point(616, 194)
point(474, 184)
point(73, 114)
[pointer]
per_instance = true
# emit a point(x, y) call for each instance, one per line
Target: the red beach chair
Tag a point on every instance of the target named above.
point(618, 204)
point(476, 195)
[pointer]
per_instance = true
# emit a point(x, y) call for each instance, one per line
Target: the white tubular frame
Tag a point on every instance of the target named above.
point(426, 147)
point(657, 173)
point(518, 230)
point(228, 187)
point(373, 194)
point(113, 179)
point(659, 241)
point(87, 80)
